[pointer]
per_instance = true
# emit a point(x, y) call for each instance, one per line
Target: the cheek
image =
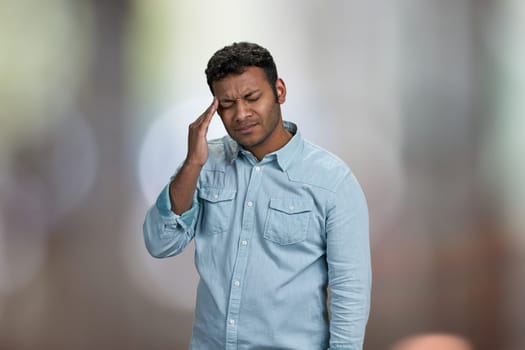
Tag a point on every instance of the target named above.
point(267, 108)
point(221, 114)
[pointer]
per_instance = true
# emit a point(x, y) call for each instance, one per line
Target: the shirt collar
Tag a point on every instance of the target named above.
point(285, 155)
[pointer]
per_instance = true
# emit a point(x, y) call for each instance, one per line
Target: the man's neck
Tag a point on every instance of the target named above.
point(281, 139)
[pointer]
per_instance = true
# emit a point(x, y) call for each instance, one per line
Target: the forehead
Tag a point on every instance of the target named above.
point(235, 85)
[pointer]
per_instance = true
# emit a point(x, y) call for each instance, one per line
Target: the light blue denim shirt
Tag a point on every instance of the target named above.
point(270, 237)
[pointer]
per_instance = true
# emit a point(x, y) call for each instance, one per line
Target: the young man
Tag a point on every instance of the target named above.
point(276, 221)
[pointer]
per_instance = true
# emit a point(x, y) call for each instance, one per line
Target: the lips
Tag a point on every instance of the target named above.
point(245, 129)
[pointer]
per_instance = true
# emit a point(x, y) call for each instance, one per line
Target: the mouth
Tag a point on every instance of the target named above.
point(245, 129)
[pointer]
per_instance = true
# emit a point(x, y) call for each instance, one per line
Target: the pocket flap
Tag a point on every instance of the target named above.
point(216, 194)
point(291, 206)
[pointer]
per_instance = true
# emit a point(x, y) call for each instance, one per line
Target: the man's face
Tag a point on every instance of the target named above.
point(249, 110)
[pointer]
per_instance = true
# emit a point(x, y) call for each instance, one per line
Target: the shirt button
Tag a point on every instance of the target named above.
point(231, 321)
point(236, 283)
point(244, 243)
point(257, 168)
point(250, 203)
point(215, 196)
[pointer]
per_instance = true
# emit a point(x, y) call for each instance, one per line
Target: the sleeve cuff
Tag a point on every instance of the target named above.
point(163, 205)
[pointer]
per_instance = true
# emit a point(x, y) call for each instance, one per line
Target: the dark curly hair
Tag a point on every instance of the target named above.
point(235, 58)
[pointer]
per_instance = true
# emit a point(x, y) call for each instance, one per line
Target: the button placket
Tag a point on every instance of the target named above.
point(241, 260)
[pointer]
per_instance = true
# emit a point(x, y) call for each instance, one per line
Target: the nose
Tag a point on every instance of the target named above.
point(242, 110)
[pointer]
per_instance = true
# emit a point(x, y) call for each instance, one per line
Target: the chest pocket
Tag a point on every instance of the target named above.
point(216, 209)
point(287, 220)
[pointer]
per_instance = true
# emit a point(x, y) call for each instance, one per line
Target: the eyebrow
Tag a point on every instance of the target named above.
point(247, 95)
point(253, 92)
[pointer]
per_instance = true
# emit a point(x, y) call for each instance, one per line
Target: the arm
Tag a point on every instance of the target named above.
point(182, 188)
point(169, 224)
point(349, 267)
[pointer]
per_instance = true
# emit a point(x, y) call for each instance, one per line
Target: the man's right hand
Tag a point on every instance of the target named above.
point(183, 185)
point(197, 141)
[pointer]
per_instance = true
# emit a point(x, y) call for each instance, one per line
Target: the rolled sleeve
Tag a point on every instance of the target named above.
point(166, 233)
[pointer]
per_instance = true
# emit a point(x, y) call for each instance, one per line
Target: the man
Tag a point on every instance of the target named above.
point(276, 221)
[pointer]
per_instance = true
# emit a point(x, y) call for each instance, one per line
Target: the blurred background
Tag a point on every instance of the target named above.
point(424, 99)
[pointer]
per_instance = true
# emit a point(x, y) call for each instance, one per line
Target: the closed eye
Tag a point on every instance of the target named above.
point(225, 104)
point(252, 96)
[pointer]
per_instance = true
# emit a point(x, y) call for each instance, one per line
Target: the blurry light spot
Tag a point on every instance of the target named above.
point(38, 81)
point(435, 341)
point(72, 165)
point(376, 160)
point(503, 163)
point(23, 223)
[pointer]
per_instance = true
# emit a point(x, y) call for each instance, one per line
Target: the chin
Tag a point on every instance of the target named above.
point(249, 143)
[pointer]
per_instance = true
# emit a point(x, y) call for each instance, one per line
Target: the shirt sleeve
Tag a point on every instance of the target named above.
point(166, 233)
point(349, 266)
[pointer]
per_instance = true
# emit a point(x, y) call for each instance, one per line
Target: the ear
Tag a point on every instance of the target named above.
point(280, 87)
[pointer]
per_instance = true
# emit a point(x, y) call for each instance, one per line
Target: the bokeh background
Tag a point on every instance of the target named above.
point(424, 99)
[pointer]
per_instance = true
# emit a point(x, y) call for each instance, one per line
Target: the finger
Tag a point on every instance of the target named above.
point(206, 114)
point(212, 108)
point(210, 111)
